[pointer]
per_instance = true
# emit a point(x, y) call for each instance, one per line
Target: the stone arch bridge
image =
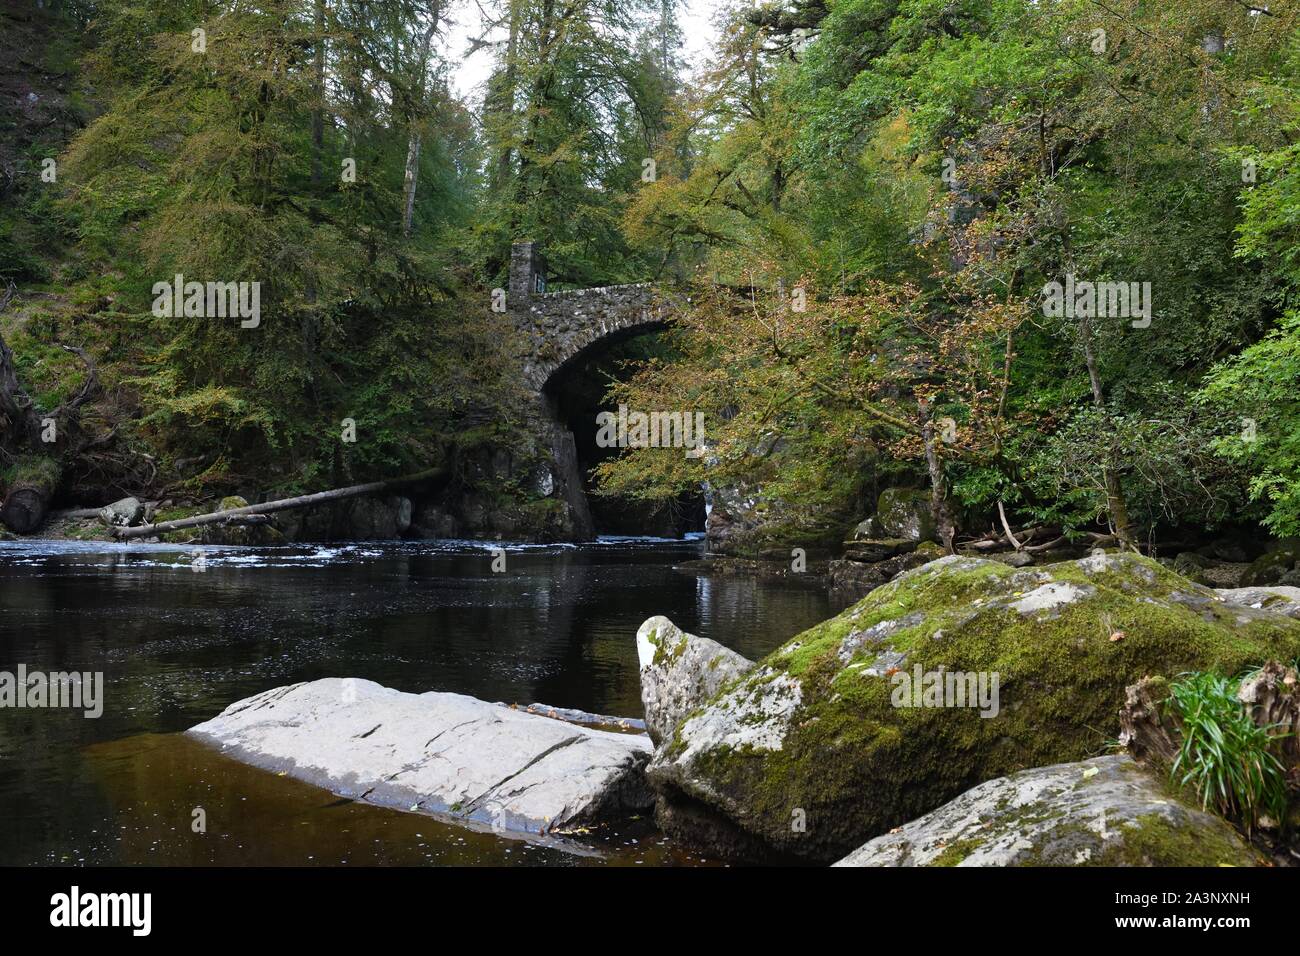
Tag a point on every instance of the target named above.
point(562, 329)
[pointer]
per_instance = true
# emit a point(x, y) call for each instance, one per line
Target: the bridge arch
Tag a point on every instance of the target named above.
point(561, 332)
point(563, 329)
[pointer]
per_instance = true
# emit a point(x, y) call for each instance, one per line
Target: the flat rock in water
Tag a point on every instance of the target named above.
point(1101, 812)
point(439, 753)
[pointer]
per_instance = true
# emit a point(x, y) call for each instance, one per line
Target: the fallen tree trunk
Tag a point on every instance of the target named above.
point(1272, 698)
point(75, 513)
point(1145, 729)
point(27, 500)
point(267, 507)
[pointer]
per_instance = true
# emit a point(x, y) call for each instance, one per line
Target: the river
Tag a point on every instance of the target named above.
point(180, 633)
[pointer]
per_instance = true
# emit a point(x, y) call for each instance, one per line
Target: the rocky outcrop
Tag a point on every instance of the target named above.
point(735, 522)
point(952, 674)
point(901, 513)
point(679, 672)
point(1208, 569)
point(1279, 600)
point(355, 519)
point(1106, 811)
point(1281, 566)
point(897, 538)
point(856, 577)
point(438, 753)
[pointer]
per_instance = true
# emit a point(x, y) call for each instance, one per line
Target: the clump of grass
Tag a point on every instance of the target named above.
point(1228, 759)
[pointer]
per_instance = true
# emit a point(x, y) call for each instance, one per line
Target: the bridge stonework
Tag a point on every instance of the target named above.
point(560, 328)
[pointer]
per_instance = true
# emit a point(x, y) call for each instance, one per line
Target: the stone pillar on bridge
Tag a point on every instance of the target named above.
point(527, 274)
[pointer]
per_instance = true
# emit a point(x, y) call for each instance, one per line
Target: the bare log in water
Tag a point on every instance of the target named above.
point(267, 507)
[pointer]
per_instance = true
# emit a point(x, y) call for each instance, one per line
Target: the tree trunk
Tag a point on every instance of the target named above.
point(27, 500)
point(539, 96)
point(506, 102)
point(318, 114)
point(1146, 728)
point(1115, 503)
point(938, 491)
point(409, 183)
point(413, 145)
point(267, 507)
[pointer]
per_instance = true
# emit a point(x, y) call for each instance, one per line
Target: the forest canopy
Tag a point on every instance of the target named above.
point(863, 203)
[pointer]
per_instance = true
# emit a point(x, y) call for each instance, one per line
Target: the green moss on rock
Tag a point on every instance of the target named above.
point(1065, 640)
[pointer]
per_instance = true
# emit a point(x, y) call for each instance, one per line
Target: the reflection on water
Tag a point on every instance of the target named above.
point(177, 646)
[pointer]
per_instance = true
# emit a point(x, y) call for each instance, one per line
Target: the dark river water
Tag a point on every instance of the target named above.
point(179, 637)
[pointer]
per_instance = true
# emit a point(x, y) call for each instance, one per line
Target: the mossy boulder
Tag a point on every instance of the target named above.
point(1106, 811)
point(1276, 567)
point(903, 513)
point(809, 754)
point(679, 672)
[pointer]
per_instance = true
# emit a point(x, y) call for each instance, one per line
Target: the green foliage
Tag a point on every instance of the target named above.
point(1261, 388)
point(918, 171)
point(206, 164)
point(1224, 755)
point(577, 103)
point(972, 152)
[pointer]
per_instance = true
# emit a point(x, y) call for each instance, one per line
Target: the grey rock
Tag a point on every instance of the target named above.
point(1224, 574)
point(439, 753)
point(401, 512)
point(1192, 566)
point(736, 520)
point(1014, 559)
point(121, 514)
point(877, 549)
point(904, 513)
point(372, 519)
point(857, 640)
point(866, 529)
point(1048, 598)
point(1229, 551)
point(1281, 599)
point(1271, 568)
point(544, 482)
point(1106, 811)
point(679, 672)
point(854, 579)
point(432, 521)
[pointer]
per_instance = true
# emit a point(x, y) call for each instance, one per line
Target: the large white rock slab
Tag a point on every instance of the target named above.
point(439, 753)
